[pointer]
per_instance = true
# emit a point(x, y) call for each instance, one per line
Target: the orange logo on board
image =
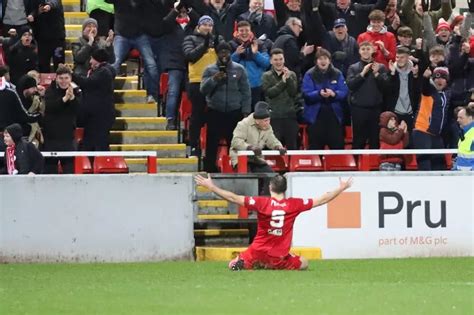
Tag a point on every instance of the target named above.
point(344, 212)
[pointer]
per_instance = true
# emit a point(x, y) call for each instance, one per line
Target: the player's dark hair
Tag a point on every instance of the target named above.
point(278, 184)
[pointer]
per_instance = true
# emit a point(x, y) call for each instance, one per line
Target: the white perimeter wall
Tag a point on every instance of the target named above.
point(396, 236)
point(104, 218)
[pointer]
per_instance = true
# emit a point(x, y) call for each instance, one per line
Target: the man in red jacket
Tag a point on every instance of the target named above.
point(384, 42)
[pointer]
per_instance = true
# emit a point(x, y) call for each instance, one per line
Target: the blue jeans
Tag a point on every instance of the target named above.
point(156, 44)
point(123, 45)
point(175, 82)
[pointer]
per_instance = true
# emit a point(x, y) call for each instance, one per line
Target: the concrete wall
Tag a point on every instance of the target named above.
point(104, 218)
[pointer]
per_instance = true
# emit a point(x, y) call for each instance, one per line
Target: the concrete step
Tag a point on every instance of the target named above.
point(218, 217)
point(130, 96)
point(220, 232)
point(165, 164)
point(75, 17)
point(136, 110)
point(140, 123)
point(229, 253)
point(126, 83)
point(73, 30)
point(71, 5)
point(162, 150)
point(143, 136)
point(217, 206)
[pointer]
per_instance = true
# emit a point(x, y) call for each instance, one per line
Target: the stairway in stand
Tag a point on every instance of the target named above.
point(137, 127)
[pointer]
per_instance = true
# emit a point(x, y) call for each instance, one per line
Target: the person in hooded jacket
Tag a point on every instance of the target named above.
point(21, 157)
point(22, 54)
point(384, 42)
point(324, 92)
point(97, 112)
point(393, 135)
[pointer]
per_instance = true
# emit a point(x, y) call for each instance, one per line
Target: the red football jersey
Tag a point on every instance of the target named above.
point(275, 222)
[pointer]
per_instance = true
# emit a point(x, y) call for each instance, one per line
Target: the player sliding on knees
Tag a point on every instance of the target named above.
point(276, 215)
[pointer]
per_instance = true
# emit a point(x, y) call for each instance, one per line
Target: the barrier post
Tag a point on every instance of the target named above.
point(152, 169)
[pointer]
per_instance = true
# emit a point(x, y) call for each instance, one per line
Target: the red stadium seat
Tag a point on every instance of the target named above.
point(78, 135)
point(110, 165)
point(82, 165)
point(203, 139)
point(449, 161)
point(185, 109)
point(311, 163)
point(369, 162)
point(348, 135)
point(164, 84)
point(224, 164)
point(339, 163)
point(303, 136)
point(278, 163)
point(46, 79)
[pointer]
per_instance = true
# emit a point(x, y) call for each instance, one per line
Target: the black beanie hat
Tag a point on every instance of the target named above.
point(261, 110)
point(24, 29)
point(26, 82)
point(100, 55)
point(222, 46)
point(15, 131)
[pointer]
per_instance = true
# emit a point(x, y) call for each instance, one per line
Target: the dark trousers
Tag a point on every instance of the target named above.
point(286, 130)
point(365, 127)
point(7, 27)
point(47, 50)
point(51, 165)
point(197, 120)
point(105, 21)
point(219, 125)
point(256, 93)
point(326, 130)
point(423, 140)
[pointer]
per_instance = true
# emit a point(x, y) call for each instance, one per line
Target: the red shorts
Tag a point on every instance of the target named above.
point(259, 260)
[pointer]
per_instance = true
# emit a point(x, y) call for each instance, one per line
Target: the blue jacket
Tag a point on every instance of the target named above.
point(255, 64)
point(313, 82)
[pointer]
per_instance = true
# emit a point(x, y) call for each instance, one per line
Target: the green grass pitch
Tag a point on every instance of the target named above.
point(389, 286)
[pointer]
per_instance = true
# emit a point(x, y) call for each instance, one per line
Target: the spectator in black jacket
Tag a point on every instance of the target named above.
point(16, 14)
point(61, 104)
point(285, 10)
point(404, 92)
point(89, 42)
point(12, 109)
point(22, 54)
point(367, 80)
point(287, 40)
point(131, 24)
point(179, 23)
point(21, 157)
point(50, 34)
point(343, 47)
point(97, 112)
point(223, 14)
point(355, 14)
point(263, 24)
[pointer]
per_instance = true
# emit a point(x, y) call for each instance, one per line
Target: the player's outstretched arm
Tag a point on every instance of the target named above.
point(330, 195)
point(227, 195)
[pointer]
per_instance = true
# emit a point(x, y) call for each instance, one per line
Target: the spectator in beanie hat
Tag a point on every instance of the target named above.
point(432, 118)
point(21, 157)
point(97, 112)
point(88, 43)
point(22, 54)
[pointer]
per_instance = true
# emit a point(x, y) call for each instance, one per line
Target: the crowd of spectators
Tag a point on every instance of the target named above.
point(323, 63)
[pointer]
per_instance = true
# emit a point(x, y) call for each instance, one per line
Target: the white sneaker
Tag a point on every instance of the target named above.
point(150, 99)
